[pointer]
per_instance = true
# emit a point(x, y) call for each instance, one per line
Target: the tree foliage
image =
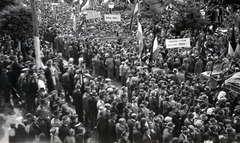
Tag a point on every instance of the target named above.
point(5, 3)
point(16, 22)
point(182, 15)
point(68, 1)
point(187, 16)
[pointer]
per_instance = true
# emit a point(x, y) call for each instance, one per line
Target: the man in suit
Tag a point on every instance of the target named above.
point(110, 66)
point(77, 98)
point(137, 135)
point(92, 103)
point(167, 133)
point(85, 100)
point(111, 128)
point(65, 83)
point(49, 75)
point(198, 66)
point(146, 135)
point(184, 135)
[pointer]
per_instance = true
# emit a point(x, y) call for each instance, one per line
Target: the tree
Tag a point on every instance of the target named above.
point(5, 3)
point(16, 22)
point(186, 15)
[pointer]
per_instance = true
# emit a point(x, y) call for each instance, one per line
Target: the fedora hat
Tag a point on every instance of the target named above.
point(184, 129)
point(170, 125)
point(212, 121)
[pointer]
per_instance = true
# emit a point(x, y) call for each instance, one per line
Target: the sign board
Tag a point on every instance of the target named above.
point(111, 5)
point(92, 14)
point(178, 43)
point(112, 17)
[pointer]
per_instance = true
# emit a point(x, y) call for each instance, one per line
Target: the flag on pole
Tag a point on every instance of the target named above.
point(54, 14)
point(84, 4)
point(237, 52)
point(233, 40)
point(230, 49)
point(74, 22)
point(134, 15)
point(140, 37)
point(155, 51)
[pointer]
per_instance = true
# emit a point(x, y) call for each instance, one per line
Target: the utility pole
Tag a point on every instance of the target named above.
point(36, 35)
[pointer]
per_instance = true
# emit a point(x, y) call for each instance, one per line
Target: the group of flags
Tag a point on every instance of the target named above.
point(83, 5)
point(233, 47)
point(135, 17)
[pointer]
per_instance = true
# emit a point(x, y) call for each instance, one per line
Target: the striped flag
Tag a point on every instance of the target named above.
point(134, 15)
point(74, 22)
point(230, 49)
point(140, 37)
point(237, 52)
point(233, 39)
point(84, 4)
point(155, 49)
point(54, 14)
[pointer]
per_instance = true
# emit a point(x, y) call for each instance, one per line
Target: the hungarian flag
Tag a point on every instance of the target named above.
point(54, 14)
point(74, 22)
point(134, 15)
point(233, 40)
point(237, 52)
point(230, 49)
point(140, 37)
point(155, 51)
point(84, 4)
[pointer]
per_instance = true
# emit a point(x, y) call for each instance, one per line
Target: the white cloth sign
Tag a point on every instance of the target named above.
point(178, 43)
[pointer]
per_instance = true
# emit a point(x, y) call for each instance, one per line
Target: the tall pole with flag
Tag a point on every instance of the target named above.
point(140, 38)
point(232, 43)
point(134, 15)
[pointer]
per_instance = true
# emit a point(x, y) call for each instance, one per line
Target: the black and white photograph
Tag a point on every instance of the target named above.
point(119, 71)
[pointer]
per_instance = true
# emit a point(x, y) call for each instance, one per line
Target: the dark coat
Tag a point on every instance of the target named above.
point(111, 131)
point(181, 138)
point(35, 130)
point(21, 134)
point(63, 132)
point(137, 136)
point(92, 103)
point(48, 75)
point(146, 138)
point(167, 136)
point(131, 124)
point(198, 66)
point(102, 129)
point(77, 98)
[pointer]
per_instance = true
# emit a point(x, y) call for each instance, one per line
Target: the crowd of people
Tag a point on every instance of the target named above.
point(164, 100)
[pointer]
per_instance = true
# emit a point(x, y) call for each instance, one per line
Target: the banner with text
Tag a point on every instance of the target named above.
point(178, 43)
point(92, 14)
point(112, 17)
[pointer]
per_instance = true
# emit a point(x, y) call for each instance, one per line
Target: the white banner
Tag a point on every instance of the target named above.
point(92, 14)
point(178, 43)
point(112, 17)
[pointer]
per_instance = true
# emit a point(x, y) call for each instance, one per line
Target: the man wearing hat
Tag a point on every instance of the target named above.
point(77, 100)
point(86, 97)
point(49, 74)
point(66, 82)
point(5, 85)
point(110, 66)
point(92, 103)
point(111, 126)
point(117, 66)
point(167, 133)
point(64, 129)
point(184, 134)
point(37, 127)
